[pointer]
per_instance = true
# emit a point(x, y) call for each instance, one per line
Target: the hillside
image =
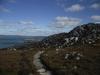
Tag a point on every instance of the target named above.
point(73, 60)
point(73, 53)
point(83, 34)
point(77, 54)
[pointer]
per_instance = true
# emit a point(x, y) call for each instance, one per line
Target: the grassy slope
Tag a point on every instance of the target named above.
point(87, 65)
point(10, 62)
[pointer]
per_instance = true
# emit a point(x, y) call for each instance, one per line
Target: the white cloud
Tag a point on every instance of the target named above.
point(97, 22)
point(3, 9)
point(95, 17)
point(23, 28)
point(76, 7)
point(62, 21)
point(27, 22)
point(95, 5)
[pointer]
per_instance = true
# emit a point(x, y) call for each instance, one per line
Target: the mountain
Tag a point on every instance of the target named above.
point(80, 35)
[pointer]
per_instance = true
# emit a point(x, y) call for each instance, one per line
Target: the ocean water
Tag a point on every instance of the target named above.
point(13, 40)
point(9, 41)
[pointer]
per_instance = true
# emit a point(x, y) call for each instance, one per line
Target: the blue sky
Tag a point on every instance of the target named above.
point(45, 17)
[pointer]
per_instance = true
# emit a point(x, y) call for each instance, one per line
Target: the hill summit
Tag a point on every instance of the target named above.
point(83, 34)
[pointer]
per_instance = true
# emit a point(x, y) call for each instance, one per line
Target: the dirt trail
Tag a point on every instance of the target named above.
point(41, 68)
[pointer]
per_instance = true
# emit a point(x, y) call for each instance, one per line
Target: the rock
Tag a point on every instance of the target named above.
point(42, 70)
point(77, 58)
point(67, 40)
point(14, 49)
point(79, 54)
point(73, 53)
point(76, 39)
point(80, 35)
point(66, 56)
point(46, 54)
point(75, 67)
point(57, 49)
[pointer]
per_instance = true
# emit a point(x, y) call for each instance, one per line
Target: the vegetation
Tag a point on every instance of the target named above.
point(19, 62)
point(86, 64)
point(73, 53)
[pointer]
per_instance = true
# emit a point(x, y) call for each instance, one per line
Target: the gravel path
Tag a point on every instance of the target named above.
point(41, 68)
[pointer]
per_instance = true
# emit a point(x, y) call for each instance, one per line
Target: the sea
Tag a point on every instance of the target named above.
point(7, 41)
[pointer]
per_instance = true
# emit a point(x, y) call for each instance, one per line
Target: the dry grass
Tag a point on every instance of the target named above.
point(87, 65)
point(10, 61)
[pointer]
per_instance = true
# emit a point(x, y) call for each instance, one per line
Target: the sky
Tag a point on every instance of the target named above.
point(46, 17)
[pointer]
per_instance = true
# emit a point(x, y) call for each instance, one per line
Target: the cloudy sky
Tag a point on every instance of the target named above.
point(45, 17)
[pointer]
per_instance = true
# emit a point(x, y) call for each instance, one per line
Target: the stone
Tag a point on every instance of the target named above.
point(42, 70)
point(66, 56)
point(75, 67)
point(77, 58)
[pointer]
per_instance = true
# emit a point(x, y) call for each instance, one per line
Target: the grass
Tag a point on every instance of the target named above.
point(13, 62)
point(21, 61)
point(87, 65)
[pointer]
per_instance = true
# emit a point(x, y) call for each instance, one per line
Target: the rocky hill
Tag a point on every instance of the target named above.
point(80, 35)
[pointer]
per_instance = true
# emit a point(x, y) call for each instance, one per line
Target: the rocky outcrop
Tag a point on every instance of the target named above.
point(81, 35)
